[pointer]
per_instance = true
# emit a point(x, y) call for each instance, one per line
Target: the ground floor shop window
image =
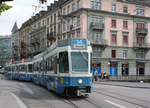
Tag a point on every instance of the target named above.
point(140, 69)
point(125, 69)
point(113, 69)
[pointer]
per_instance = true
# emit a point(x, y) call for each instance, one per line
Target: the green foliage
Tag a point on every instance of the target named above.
point(4, 7)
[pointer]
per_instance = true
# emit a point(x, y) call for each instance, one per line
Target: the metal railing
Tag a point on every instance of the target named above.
point(142, 45)
point(96, 54)
point(97, 26)
point(98, 41)
point(141, 30)
point(51, 36)
point(130, 78)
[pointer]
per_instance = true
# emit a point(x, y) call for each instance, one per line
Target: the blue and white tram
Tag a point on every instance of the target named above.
point(64, 68)
point(37, 71)
point(21, 71)
point(25, 71)
point(67, 67)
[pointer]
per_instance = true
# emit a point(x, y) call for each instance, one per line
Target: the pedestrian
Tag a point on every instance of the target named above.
point(96, 75)
point(102, 76)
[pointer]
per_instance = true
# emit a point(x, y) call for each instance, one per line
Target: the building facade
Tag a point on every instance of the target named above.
point(5, 50)
point(37, 33)
point(119, 32)
point(24, 40)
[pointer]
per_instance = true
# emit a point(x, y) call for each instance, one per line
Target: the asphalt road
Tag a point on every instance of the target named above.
point(15, 94)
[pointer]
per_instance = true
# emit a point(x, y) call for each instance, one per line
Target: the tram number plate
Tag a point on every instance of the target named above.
point(79, 43)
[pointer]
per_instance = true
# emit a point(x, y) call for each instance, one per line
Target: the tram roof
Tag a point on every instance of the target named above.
point(75, 43)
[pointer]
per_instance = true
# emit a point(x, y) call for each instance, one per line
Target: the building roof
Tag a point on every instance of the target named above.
point(15, 28)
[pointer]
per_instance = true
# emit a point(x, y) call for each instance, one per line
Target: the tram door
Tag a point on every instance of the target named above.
point(97, 67)
point(113, 69)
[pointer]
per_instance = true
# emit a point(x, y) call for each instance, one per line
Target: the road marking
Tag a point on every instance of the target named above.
point(27, 89)
point(120, 106)
point(19, 101)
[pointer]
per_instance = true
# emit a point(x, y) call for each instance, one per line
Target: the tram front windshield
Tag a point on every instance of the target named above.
point(79, 61)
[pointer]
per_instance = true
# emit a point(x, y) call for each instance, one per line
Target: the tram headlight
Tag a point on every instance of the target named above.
point(80, 81)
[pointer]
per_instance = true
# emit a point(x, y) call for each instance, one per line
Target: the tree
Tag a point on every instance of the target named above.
point(4, 7)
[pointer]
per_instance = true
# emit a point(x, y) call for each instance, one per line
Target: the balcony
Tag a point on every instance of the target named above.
point(96, 54)
point(144, 45)
point(97, 26)
point(51, 36)
point(101, 42)
point(141, 31)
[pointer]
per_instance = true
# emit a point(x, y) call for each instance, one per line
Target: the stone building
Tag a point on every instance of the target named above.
point(119, 32)
point(15, 42)
point(37, 33)
point(24, 40)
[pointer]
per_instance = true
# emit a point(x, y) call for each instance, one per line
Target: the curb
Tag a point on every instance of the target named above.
point(122, 85)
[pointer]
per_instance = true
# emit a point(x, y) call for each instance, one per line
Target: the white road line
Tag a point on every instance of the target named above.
point(21, 104)
point(115, 104)
point(27, 89)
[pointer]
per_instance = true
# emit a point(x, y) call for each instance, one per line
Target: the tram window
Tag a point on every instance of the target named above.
point(47, 67)
point(63, 62)
point(22, 68)
point(55, 64)
point(30, 68)
point(35, 67)
point(49, 64)
point(39, 67)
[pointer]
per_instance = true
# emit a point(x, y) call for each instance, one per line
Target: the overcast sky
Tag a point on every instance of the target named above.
point(22, 10)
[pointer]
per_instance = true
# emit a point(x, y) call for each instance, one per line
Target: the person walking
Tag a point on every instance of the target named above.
point(96, 75)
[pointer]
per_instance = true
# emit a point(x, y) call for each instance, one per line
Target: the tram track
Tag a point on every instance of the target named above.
point(68, 101)
point(124, 100)
point(126, 96)
point(93, 102)
point(76, 103)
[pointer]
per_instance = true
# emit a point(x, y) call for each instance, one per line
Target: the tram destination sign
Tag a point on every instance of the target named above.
point(79, 44)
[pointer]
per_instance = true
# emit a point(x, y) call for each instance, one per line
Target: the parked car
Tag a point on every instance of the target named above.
point(2, 71)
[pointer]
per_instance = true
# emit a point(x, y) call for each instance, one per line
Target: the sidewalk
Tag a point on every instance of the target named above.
point(8, 101)
point(125, 84)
